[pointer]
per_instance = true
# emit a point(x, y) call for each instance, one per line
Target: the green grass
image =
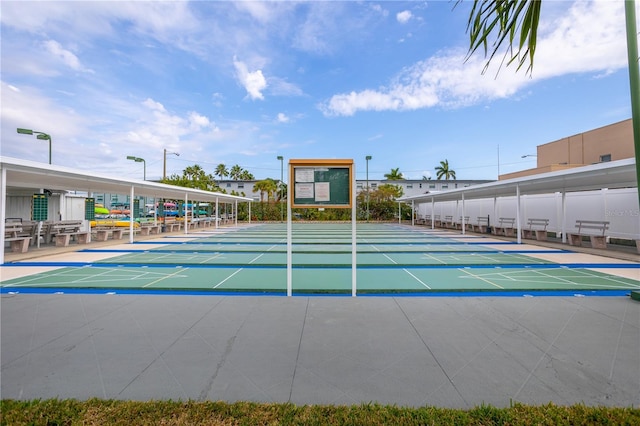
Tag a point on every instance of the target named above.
point(111, 412)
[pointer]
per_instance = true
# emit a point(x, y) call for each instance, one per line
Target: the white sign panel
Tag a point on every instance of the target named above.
point(322, 192)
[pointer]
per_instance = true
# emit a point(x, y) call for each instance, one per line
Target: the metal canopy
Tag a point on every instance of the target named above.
point(614, 174)
point(32, 175)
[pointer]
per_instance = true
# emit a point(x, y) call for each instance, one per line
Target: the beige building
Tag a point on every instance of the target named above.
point(608, 143)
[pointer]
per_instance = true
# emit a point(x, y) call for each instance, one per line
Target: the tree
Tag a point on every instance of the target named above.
point(512, 20)
point(236, 172)
point(394, 174)
point(505, 17)
point(221, 171)
point(193, 177)
point(267, 186)
point(282, 191)
point(443, 170)
point(246, 175)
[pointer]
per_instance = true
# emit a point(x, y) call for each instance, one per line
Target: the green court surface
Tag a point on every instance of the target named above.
point(391, 259)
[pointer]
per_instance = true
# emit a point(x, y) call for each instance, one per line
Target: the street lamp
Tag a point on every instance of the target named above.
point(529, 155)
point(368, 157)
point(164, 168)
point(139, 160)
point(281, 158)
point(40, 135)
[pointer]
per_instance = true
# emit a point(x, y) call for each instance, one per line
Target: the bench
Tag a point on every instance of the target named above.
point(17, 242)
point(536, 229)
point(62, 232)
point(172, 225)
point(505, 227)
point(481, 225)
point(595, 230)
point(448, 222)
point(149, 226)
point(458, 224)
point(437, 222)
point(102, 234)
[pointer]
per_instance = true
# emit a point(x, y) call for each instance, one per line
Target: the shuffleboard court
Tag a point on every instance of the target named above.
point(391, 259)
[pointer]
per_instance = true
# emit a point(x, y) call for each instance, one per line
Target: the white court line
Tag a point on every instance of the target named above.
point(594, 285)
point(417, 279)
point(480, 278)
point(165, 277)
point(211, 258)
point(223, 281)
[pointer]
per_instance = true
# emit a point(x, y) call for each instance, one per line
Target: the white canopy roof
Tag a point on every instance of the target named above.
point(614, 174)
point(32, 175)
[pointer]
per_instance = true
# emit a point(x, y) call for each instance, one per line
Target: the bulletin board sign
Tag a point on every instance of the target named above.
point(321, 183)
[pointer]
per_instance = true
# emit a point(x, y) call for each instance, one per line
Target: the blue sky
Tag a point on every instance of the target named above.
point(243, 82)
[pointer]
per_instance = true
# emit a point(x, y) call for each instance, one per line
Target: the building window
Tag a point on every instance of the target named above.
point(409, 186)
point(359, 186)
point(228, 185)
point(605, 158)
point(240, 185)
point(374, 185)
point(432, 186)
point(445, 186)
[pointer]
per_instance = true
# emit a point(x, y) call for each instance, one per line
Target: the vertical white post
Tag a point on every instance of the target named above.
point(433, 213)
point(289, 237)
point(131, 216)
point(354, 247)
point(399, 216)
point(413, 213)
point(564, 217)
point(184, 212)
point(3, 208)
point(217, 215)
point(235, 215)
point(462, 220)
point(518, 222)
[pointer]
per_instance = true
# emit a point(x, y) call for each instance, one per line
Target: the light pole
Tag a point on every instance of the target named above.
point(40, 135)
point(281, 158)
point(368, 157)
point(528, 155)
point(139, 160)
point(164, 167)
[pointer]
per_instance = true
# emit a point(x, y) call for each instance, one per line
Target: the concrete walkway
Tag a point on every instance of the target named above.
point(448, 352)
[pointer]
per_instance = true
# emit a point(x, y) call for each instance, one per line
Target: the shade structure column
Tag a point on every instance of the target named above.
point(518, 220)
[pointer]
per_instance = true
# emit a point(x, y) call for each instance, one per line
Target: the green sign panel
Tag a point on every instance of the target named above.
point(136, 208)
point(39, 207)
point(316, 184)
point(89, 208)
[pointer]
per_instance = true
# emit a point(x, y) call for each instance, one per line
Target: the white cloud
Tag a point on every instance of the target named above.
point(282, 118)
point(153, 105)
point(404, 16)
point(198, 121)
point(253, 82)
point(67, 57)
point(586, 39)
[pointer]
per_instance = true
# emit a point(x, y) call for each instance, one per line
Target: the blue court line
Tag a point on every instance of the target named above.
point(319, 252)
point(156, 292)
point(331, 266)
point(271, 243)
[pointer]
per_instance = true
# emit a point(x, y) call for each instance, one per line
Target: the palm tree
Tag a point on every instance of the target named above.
point(221, 171)
point(394, 174)
point(235, 172)
point(514, 20)
point(245, 175)
point(443, 170)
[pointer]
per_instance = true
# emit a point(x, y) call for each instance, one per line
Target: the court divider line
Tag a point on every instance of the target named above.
point(165, 277)
point(481, 279)
point(229, 277)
